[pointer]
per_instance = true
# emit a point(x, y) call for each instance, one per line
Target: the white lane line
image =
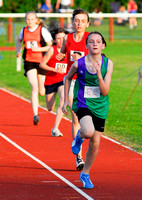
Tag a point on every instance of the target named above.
point(106, 137)
point(46, 167)
point(122, 145)
point(26, 100)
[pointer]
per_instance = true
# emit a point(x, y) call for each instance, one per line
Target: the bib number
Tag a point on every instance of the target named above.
point(61, 65)
point(31, 43)
point(92, 92)
point(73, 52)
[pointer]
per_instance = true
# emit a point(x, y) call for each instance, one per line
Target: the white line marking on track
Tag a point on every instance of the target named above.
point(107, 138)
point(46, 167)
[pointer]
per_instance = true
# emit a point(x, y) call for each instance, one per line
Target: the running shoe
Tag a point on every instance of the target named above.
point(76, 144)
point(85, 179)
point(56, 133)
point(36, 119)
point(79, 163)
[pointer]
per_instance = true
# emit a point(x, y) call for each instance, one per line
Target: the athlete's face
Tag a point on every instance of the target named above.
point(95, 44)
point(59, 39)
point(31, 20)
point(80, 22)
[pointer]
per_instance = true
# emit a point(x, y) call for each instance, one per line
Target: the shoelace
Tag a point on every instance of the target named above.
point(79, 159)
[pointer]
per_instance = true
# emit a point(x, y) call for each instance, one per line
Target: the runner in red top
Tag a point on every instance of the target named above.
point(132, 8)
point(56, 71)
point(74, 45)
point(53, 76)
point(37, 40)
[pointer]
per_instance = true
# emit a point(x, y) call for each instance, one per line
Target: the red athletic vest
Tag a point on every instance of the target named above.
point(52, 77)
point(32, 39)
point(132, 6)
point(72, 46)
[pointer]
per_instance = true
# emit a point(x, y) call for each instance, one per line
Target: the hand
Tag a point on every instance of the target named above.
point(76, 56)
point(18, 54)
point(97, 68)
point(64, 108)
point(34, 49)
point(60, 56)
point(60, 70)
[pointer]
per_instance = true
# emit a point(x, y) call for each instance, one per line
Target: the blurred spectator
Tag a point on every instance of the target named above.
point(132, 8)
point(114, 6)
point(140, 6)
point(97, 21)
point(46, 7)
point(64, 6)
point(39, 7)
point(1, 3)
point(122, 20)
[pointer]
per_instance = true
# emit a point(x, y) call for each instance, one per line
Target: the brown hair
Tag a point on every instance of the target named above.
point(96, 32)
point(79, 11)
point(55, 31)
point(103, 40)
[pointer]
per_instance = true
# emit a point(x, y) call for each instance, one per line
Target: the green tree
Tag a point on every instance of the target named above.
point(20, 6)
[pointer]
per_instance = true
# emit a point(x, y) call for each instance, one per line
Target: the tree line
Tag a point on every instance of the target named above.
point(20, 6)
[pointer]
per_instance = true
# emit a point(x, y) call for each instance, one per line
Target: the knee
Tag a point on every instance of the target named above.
point(94, 146)
point(41, 93)
point(61, 102)
point(34, 91)
point(88, 132)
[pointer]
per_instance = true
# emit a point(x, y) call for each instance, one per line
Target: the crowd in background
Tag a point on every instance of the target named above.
point(65, 7)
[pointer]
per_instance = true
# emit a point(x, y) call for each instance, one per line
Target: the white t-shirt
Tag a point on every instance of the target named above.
point(65, 2)
point(45, 33)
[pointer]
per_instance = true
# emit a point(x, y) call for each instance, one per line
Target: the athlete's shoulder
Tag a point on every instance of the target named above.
point(110, 66)
point(69, 35)
point(110, 61)
point(86, 33)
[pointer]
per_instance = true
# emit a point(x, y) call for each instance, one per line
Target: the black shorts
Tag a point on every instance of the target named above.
point(99, 123)
point(52, 88)
point(64, 7)
point(32, 65)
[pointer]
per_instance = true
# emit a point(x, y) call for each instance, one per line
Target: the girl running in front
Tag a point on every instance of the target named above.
point(74, 45)
point(90, 102)
point(56, 71)
point(37, 40)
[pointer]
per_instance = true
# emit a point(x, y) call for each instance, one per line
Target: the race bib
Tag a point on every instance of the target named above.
point(31, 43)
point(92, 92)
point(81, 53)
point(61, 65)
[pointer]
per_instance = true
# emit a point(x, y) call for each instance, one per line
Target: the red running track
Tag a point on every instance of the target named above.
point(34, 165)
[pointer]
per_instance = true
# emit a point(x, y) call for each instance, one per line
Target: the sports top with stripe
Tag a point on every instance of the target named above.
point(87, 92)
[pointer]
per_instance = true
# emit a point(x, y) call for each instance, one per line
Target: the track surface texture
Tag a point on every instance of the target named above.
point(34, 165)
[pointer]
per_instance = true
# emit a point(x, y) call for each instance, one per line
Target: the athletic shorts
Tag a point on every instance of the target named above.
point(52, 88)
point(64, 7)
point(32, 65)
point(99, 123)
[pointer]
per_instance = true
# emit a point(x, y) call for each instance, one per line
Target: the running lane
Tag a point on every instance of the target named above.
point(116, 173)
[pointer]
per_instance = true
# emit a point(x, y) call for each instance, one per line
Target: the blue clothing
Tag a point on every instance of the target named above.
point(44, 7)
